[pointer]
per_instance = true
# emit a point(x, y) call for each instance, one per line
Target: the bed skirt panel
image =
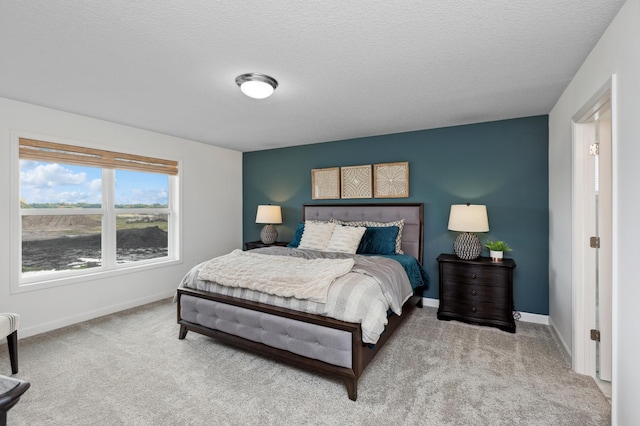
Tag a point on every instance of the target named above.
point(306, 339)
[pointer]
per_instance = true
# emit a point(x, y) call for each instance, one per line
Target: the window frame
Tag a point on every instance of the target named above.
point(108, 211)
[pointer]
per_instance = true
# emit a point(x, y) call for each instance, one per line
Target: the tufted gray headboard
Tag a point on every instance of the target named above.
point(412, 213)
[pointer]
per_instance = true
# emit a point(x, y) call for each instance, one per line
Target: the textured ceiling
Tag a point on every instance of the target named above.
point(345, 69)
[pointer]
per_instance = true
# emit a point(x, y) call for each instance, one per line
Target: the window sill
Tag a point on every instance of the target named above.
point(50, 282)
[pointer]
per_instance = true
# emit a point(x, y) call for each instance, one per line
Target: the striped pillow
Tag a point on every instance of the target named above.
point(345, 239)
point(316, 235)
point(398, 223)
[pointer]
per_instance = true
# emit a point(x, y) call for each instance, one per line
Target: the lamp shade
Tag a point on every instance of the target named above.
point(269, 214)
point(468, 218)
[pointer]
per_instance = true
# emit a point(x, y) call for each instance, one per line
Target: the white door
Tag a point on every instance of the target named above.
point(603, 233)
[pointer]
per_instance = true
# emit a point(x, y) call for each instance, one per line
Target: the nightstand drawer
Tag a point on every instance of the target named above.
point(477, 309)
point(474, 274)
point(460, 290)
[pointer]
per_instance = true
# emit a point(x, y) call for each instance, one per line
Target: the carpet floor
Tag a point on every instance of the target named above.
point(130, 368)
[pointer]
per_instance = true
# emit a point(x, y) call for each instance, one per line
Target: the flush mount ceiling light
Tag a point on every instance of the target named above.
point(257, 86)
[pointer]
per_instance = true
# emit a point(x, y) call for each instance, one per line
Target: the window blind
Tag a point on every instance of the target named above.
point(31, 149)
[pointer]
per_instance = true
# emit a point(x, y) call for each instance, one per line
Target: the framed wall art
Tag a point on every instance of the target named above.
point(325, 183)
point(391, 180)
point(356, 181)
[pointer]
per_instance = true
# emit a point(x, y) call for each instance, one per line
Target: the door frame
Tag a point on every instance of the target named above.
point(583, 316)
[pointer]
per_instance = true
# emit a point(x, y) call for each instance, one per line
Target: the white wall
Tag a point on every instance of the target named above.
point(617, 52)
point(211, 185)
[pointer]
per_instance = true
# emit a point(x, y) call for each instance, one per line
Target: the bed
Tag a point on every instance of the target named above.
point(304, 339)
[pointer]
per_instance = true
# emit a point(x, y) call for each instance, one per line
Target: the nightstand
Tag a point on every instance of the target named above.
point(250, 245)
point(477, 291)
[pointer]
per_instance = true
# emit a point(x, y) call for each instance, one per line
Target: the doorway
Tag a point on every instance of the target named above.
point(593, 237)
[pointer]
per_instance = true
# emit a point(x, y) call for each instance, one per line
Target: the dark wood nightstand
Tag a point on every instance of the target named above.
point(477, 291)
point(250, 245)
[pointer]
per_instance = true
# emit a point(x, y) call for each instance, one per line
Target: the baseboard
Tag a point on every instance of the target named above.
point(524, 316)
point(85, 316)
point(534, 318)
point(432, 303)
point(562, 345)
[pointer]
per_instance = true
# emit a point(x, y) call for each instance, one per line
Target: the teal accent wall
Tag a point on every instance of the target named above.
point(502, 164)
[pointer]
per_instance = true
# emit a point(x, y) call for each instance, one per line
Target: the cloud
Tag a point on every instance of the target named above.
point(143, 196)
point(95, 185)
point(50, 175)
point(53, 195)
point(72, 197)
point(54, 183)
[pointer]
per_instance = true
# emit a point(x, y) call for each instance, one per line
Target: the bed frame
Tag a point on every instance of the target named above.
point(305, 340)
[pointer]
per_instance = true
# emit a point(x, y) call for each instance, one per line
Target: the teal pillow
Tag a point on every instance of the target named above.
point(378, 240)
point(298, 236)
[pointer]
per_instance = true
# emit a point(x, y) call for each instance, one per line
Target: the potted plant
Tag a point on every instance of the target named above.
point(497, 249)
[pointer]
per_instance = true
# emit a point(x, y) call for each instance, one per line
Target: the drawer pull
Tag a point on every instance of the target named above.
point(473, 309)
point(473, 292)
point(474, 276)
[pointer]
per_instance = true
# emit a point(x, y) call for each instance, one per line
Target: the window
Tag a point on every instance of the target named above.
point(85, 210)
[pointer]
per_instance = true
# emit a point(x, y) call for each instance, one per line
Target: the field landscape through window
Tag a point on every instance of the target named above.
point(67, 242)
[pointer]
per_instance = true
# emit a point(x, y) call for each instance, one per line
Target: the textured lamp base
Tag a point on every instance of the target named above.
point(467, 246)
point(268, 235)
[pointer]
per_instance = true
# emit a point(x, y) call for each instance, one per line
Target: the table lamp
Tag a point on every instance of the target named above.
point(468, 218)
point(269, 214)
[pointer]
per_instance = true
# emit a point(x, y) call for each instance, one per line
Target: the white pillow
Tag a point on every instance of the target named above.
point(346, 239)
point(316, 235)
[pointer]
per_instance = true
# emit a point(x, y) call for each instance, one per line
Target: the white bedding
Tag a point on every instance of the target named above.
point(283, 276)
